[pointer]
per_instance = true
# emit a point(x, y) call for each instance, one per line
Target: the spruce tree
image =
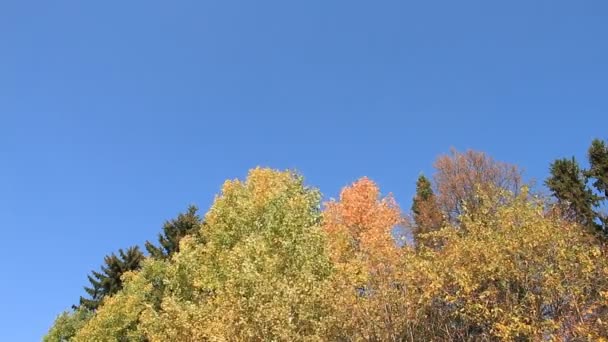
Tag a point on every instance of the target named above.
point(568, 184)
point(108, 281)
point(598, 172)
point(598, 161)
point(426, 212)
point(424, 191)
point(173, 231)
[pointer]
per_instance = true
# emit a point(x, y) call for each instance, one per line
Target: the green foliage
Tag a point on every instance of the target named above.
point(598, 160)
point(598, 172)
point(67, 324)
point(569, 183)
point(259, 275)
point(119, 316)
point(173, 231)
point(108, 281)
point(424, 192)
point(426, 212)
point(269, 265)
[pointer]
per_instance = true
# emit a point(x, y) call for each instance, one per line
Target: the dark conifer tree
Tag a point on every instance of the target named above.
point(424, 192)
point(173, 231)
point(568, 184)
point(598, 172)
point(108, 281)
point(598, 161)
point(426, 212)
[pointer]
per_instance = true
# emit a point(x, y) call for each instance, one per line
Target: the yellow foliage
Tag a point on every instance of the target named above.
point(268, 265)
point(260, 274)
point(510, 272)
point(365, 297)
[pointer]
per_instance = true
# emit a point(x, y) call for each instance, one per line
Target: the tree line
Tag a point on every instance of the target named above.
point(491, 259)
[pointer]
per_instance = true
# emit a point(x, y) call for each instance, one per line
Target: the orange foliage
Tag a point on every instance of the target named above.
point(362, 222)
point(366, 259)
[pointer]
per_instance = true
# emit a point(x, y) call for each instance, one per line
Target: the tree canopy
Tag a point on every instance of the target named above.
point(580, 192)
point(491, 260)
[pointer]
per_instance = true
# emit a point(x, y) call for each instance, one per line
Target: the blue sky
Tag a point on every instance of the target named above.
point(115, 115)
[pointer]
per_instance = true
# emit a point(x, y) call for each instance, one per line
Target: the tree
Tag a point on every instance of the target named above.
point(259, 276)
point(271, 265)
point(426, 212)
point(362, 222)
point(108, 281)
point(173, 231)
point(460, 177)
point(598, 160)
point(67, 325)
point(518, 274)
point(568, 184)
point(366, 300)
point(121, 315)
point(581, 193)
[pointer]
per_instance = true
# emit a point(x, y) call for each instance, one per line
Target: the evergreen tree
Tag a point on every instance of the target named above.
point(598, 161)
point(424, 193)
point(426, 212)
point(568, 184)
point(108, 281)
point(173, 231)
point(598, 171)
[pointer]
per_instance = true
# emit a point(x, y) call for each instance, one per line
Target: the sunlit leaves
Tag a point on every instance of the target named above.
point(361, 222)
point(365, 291)
point(67, 325)
point(516, 273)
point(271, 265)
point(260, 274)
point(118, 319)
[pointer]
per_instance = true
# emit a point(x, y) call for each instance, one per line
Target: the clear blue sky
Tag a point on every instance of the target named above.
point(115, 115)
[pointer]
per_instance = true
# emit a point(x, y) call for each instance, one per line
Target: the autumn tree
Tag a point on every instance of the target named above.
point(256, 272)
point(271, 265)
point(517, 273)
point(364, 290)
point(261, 273)
point(173, 231)
point(459, 179)
point(67, 324)
point(461, 176)
point(119, 317)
